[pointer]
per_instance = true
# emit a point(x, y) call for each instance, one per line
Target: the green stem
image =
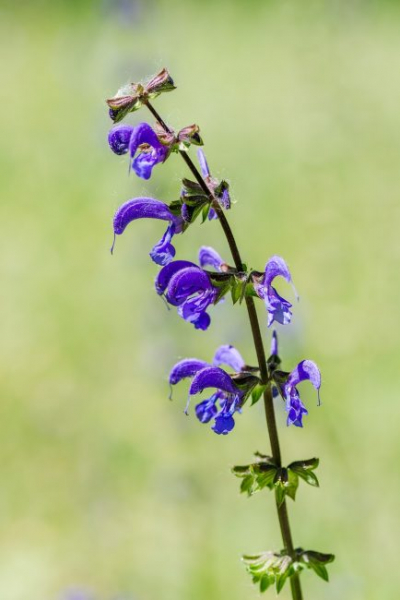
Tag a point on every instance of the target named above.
point(259, 347)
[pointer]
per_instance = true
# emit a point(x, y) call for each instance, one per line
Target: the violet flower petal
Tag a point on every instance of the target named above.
point(163, 252)
point(228, 355)
point(212, 377)
point(274, 343)
point(186, 368)
point(141, 208)
point(185, 283)
point(207, 409)
point(305, 370)
point(119, 138)
point(210, 257)
point(168, 271)
point(143, 134)
point(223, 424)
point(276, 266)
point(203, 163)
point(156, 152)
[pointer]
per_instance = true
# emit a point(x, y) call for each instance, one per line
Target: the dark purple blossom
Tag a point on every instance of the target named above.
point(150, 208)
point(278, 308)
point(305, 370)
point(227, 398)
point(189, 288)
point(144, 147)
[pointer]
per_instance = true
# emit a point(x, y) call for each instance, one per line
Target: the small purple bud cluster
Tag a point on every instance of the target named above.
point(193, 288)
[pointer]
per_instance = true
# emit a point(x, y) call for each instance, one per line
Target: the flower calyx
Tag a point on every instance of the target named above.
point(275, 568)
point(132, 96)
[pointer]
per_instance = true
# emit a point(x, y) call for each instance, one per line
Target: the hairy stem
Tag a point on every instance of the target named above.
point(259, 347)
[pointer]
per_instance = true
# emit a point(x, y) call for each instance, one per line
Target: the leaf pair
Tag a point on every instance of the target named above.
point(285, 480)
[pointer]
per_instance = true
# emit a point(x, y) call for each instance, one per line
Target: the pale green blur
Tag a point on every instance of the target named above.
point(105, 484)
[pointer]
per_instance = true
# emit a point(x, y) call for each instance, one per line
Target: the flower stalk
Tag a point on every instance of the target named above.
point(192, 290)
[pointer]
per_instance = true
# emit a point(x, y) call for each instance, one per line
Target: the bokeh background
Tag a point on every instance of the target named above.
point(105, 485)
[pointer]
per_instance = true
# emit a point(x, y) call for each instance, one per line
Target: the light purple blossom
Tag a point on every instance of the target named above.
point(278, 308)
point(305, 370)
point(145, 149)
point(208, 257)
point(228, 355)
point(150, 208)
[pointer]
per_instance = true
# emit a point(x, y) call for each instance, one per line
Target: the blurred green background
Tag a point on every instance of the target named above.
point(105, 484)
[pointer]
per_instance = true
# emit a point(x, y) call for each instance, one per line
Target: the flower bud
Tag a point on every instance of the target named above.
point(162, 82)
point(127, 99)
point(190, 135)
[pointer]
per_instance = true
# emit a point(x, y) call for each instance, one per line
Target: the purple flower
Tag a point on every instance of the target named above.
point(306, 369)
point(150, 208)
point(210, 257)
point(278, 308)
point(228, 397)
point(141, 138)
point(189, 288)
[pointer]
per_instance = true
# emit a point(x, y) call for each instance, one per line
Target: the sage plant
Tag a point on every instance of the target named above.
point(193, 289)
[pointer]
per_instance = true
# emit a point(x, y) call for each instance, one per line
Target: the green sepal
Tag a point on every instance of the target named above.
point(304, 469)
point(195, 200)
point(241, 470)
point(238, 289)
point(205, 212)
point(221, 187)
point(256, 476)
point(257, 393)
point(316, 561)
point(192, 188)
point(175, 207)
point(268, 568)
point(286, 484)
point(194, 211)
point(223, 289)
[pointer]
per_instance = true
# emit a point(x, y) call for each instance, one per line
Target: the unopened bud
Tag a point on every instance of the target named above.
point(162, 82)
point(127, 99)
point(190, 135)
